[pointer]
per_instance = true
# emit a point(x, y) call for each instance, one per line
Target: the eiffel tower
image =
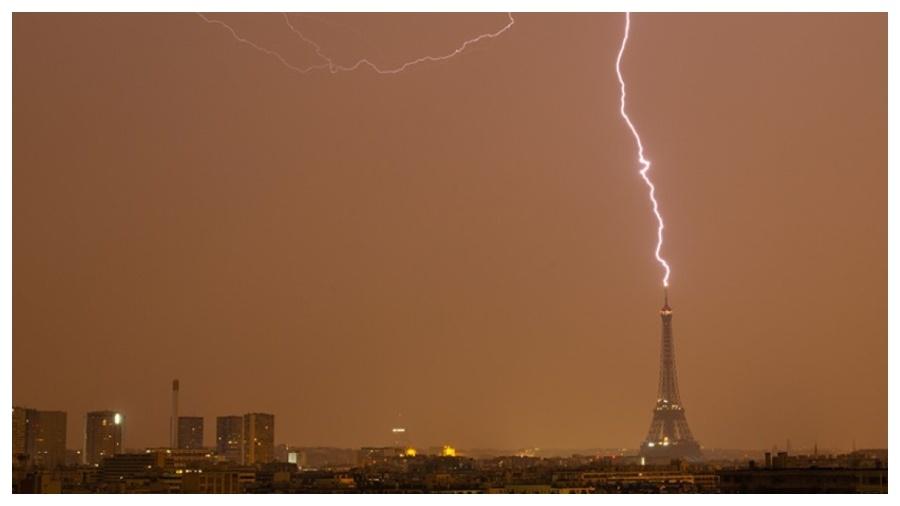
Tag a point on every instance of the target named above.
point(669, 436)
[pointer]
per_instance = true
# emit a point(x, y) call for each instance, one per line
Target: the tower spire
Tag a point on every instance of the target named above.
point(669, 435)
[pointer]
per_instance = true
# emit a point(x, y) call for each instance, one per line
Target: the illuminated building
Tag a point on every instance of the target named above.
point(229, 437)
point(259, 438)
point(102, 435)
point(448, 451)
point(669, 435)
point(190, 432)
point(45, 438)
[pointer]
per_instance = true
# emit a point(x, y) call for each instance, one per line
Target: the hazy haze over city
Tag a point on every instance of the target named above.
point(467, 243)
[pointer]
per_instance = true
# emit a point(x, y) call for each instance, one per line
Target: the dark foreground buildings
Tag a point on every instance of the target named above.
point(863, 471)
point(393, 470)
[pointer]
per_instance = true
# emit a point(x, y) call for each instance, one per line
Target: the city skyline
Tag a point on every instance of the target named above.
point(336, 249)
point(189, 431)
point(39, 436)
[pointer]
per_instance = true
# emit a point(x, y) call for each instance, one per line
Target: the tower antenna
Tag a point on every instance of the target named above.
point(173, 421)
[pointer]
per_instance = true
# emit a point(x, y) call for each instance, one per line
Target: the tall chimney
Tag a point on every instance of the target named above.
point(173, 424)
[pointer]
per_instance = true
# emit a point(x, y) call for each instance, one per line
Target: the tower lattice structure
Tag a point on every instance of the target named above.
point(669, 435)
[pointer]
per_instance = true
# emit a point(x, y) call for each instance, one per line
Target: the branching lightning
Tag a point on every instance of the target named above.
point(274, 54)
point(334, 67)
point(645, 164)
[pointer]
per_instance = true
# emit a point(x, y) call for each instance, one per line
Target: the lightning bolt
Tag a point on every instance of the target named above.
point(396, 70)
point(274, 54)
point(334, 67)
point(645, 164)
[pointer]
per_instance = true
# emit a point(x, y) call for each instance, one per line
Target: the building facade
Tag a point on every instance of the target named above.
point(229, 437)
point(190, 432)
point(45, 438)
point(259, 438)
point(39, 437)
point(103, 432)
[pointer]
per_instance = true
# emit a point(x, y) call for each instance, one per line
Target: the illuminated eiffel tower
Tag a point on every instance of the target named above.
point(669, 435)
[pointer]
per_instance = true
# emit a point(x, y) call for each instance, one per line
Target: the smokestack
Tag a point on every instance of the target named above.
point(173, 423)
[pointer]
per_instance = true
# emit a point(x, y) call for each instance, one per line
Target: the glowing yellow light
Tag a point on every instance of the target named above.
point(410, 452)
point(117, 419)
point(448, 451)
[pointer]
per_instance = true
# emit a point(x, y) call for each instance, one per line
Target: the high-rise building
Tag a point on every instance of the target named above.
point(45, 437)
point(102, 435)
point(18, 432)
point(259, 438)
point(669, 436)
point(229, 436)
point(190, 432)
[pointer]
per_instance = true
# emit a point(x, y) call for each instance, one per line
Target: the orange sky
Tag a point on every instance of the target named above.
point(467, 242)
